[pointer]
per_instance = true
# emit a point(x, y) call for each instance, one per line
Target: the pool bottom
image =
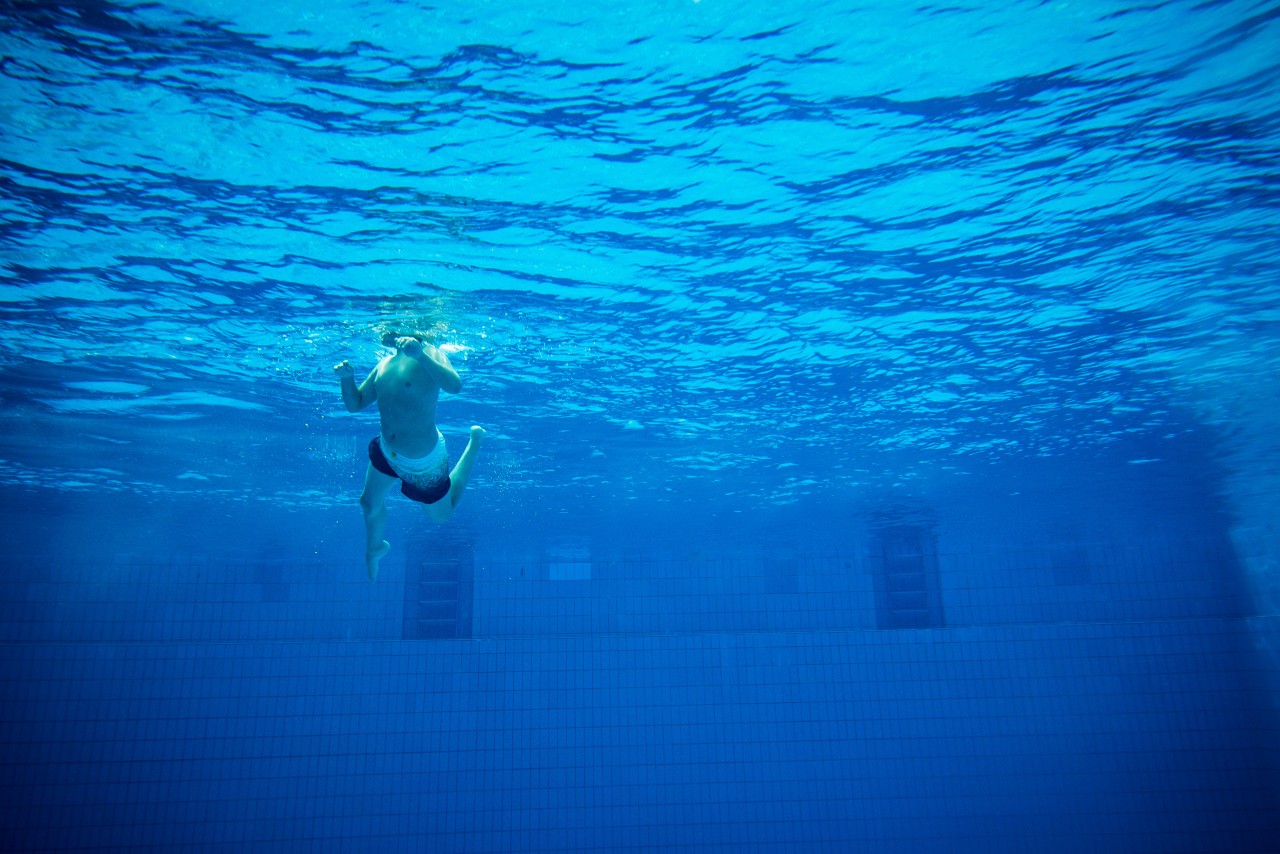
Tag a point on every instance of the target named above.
point(1126, 736)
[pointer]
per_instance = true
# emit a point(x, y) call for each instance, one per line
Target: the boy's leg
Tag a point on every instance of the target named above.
point(373, 502)
point(441, 510)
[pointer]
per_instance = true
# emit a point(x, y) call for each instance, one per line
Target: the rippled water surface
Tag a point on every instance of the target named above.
point(775, 252)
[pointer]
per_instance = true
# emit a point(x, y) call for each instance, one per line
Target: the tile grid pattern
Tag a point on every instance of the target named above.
point(275, 706)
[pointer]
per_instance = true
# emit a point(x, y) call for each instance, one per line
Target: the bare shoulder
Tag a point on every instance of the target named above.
point(371, 381)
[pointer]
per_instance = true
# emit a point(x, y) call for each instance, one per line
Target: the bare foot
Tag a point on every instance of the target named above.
point(371, 559)
point(477, 434)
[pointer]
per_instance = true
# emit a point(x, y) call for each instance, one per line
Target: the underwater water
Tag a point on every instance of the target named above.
point(882, 408)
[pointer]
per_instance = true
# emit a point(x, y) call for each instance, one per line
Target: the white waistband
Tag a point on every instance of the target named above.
point(417, 465)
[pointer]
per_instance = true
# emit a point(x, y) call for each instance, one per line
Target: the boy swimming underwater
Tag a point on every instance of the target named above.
point(410, 448)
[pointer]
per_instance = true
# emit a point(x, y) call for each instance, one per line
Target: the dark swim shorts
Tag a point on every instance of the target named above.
point(431, 496)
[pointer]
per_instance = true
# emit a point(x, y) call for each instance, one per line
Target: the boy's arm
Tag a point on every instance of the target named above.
point(435, 361)
point(356, 398)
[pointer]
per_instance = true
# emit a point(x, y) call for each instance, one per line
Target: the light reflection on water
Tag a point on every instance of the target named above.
point(811, 253)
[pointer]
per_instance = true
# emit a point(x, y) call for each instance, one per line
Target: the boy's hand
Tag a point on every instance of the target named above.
point(409, 346)
point(343, 369)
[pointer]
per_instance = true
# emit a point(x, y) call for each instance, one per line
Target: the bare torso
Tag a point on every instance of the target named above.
point(407, 395)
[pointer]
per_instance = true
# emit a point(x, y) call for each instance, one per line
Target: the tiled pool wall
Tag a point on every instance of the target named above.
point(908, 693)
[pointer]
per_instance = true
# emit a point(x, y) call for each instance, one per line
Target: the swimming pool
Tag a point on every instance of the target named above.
point(882, 426)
